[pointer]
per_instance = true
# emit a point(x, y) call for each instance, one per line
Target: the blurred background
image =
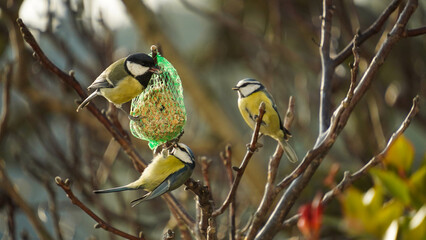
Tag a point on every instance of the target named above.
point(212, 44)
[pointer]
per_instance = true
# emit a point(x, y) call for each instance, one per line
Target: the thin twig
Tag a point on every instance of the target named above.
point(7, 78)
point(415, 32)
point(205, 164)
point(368, 33)
point(7, 185)
point(70, 81)
point(11, 226)
point(270, 193)
point(348, 178)
point(240, 171)
point(204, 201)
point(227, 162)
point(54, 210)
point(65, 185)
point(354, 67)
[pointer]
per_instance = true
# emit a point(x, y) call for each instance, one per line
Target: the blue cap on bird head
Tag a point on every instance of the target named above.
point(184, 153)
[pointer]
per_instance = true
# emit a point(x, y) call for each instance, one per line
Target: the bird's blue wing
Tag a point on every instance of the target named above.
point(286, 132)
point(170, 183)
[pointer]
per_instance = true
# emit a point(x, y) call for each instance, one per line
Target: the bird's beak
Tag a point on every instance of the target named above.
point(155, 70)
point(235, 88)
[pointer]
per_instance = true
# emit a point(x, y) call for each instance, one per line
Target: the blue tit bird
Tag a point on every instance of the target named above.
point(251, 93)
point(123, 80)
point(165, 173)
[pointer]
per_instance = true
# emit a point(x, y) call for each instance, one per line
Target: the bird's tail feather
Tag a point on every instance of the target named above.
point(289, 152)
point(87, 100)
point(141, 199)
point(116, 189)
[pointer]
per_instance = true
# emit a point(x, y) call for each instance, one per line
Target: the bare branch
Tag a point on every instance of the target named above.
point(69, 80)
point(348, 178)
point(415, 32)
point(65, 185)
point(7, 78)
point(211, 230)
point(54, 210)
point(204, 201)
point(340, 117)
point(11, 228)
point(7, 185)
point(354, 68)
point(240, 171)
point(370, 31)
point(227, 162)
point(326, 67)
point(270, 192)
point(205, 164)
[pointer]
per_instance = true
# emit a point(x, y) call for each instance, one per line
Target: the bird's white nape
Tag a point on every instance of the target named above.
point(136, 69)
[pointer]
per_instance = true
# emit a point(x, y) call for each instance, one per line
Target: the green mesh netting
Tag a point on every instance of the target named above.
point(161, 107)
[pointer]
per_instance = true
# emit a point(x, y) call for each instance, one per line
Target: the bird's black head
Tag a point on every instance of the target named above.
point(141, 66)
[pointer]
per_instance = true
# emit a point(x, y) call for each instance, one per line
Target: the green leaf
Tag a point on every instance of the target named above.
point(393, 184)
point(417, 225)
point(417, 186)
point(392, 231)
point(354, 210)
point(352, 203)
point(373, 199)
point(391, 211)
point(400, 154)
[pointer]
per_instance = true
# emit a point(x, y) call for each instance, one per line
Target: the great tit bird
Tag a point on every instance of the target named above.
point(250, 94)
point(165, 173)
point(123, 80)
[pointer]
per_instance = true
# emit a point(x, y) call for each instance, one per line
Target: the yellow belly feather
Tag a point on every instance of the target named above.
point(270, 118)
point(126, 90)
point(157, 171)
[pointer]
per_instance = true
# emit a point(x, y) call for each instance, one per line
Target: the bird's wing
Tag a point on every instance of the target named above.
point(111, 75)
point(101, 82)
point(286, 132)
point(165, 186)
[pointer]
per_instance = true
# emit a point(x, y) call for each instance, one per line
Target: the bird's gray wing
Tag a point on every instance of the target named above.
point(170, 183)
point(101, 82)
point(111, 76)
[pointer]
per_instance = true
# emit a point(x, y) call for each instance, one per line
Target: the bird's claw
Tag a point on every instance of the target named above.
point(135, 118)
point(256, 148)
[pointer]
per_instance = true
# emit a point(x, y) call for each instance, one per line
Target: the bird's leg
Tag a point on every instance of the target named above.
point(133, 118)
point(257, 146)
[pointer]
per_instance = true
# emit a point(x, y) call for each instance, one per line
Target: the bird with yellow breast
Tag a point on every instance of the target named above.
point(165, 173)
point(251, 93)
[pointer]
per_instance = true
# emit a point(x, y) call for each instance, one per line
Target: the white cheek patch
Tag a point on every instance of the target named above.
point(183, 156)
point(249, 89)
point(136, 69)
